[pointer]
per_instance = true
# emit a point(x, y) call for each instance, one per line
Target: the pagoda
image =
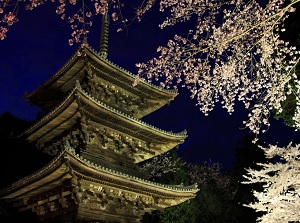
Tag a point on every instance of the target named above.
point(93, 130)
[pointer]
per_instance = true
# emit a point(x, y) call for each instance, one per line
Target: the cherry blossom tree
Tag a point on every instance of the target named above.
point(280, 198)
point(234, 53)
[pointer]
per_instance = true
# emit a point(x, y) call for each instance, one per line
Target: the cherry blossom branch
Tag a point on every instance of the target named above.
point(241, 59)
point(78, 13)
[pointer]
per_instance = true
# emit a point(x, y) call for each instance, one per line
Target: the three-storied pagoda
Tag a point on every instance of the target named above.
point(93, 129)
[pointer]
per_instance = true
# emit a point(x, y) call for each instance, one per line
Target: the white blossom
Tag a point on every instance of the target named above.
point(159, 165)
point(233, 53)
point(280, 197)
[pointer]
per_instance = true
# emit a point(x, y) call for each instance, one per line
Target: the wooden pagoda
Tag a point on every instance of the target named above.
point(93, 130)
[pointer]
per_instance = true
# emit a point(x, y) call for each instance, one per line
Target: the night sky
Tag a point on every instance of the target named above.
point(37, 46)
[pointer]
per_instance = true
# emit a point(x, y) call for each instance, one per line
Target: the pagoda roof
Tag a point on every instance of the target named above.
point(85, 59)
point(68, 164)
point(80, 104)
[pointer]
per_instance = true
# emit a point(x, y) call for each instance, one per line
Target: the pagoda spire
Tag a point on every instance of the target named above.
point(104, 35)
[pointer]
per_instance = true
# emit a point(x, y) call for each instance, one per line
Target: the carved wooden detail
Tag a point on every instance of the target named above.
point(115, 97)
point(74, 194)
point(115, 200)
point(86, 133)
point(52, 201)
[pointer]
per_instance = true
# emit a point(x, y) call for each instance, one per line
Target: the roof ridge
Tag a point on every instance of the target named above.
point(72, 58)
point(78, 87)
point(189, 188)
point(181, 133)
point(172, 91)
point(71, 151)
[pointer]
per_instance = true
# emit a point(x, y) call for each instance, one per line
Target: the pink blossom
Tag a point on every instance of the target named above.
point(114, 16)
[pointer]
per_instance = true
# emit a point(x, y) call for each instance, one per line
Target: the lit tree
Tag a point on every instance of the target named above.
point(234, 53)
point(280, 198)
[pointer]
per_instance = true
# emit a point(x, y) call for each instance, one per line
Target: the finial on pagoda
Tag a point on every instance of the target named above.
point(84, 41)
point(104, 35)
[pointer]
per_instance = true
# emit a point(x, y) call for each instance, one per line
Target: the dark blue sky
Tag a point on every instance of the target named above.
point(37, 46)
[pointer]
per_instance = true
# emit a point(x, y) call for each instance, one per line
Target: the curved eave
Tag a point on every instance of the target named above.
point(117, 179)
point(80, 103)
point(125, 123)
point(54, 173)
point(121, 77)
point(54, 123)
point(64, 79)
point(49, 176)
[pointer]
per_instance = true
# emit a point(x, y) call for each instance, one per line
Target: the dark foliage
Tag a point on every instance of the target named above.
point(214, 202)
point(18, 159)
